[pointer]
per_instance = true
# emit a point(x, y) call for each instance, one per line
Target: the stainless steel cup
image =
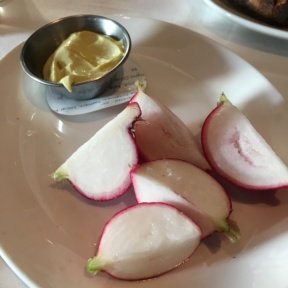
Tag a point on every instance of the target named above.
point(44, 41)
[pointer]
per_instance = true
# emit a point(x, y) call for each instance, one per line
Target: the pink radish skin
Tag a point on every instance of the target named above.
point(189, 189)
point(238, 152)
point(145, 241)
point(160, 134)
point(108, 155)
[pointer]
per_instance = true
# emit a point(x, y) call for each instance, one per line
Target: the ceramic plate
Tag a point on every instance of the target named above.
point(245, 20)
point(48, 231)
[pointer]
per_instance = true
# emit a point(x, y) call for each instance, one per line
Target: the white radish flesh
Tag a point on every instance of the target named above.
point(145, 241)
point(163, 135)
point(100, 168)
point(238, 152)
point(186, 187)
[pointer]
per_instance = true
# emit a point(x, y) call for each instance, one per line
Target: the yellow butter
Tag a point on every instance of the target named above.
point(83, 56)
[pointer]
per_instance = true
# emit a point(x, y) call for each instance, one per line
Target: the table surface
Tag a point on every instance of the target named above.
point(268, 54)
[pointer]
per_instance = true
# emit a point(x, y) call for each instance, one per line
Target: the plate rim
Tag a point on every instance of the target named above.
point(245, 20)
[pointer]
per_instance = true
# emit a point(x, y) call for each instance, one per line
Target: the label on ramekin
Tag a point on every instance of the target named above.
point(120, 91)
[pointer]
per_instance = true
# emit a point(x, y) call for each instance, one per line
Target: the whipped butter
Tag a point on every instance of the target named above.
point(83, 56)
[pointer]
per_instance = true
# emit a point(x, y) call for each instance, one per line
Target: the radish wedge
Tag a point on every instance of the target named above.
point(238, 152)
point(144, 241)
point(162, 134)
point(100, 168)
point(188, 188)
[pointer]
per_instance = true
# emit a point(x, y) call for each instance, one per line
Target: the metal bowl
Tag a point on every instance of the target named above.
point(44, 41)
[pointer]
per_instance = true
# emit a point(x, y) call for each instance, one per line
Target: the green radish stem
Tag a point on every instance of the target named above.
point(60, 175)
point(140, 85)
point(94, 265)
point(222, 99)
point(230, 230)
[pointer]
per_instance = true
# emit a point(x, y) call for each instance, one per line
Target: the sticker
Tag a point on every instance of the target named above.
point(122, 88)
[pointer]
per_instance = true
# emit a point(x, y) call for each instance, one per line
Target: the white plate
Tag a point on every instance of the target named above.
point(48, 231)
point(245, 20)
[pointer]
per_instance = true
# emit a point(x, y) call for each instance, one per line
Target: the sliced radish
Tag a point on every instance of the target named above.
point(238, 152)
point(100, 168)
point(186, 187)
point(144, 241)
point(163, 135)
